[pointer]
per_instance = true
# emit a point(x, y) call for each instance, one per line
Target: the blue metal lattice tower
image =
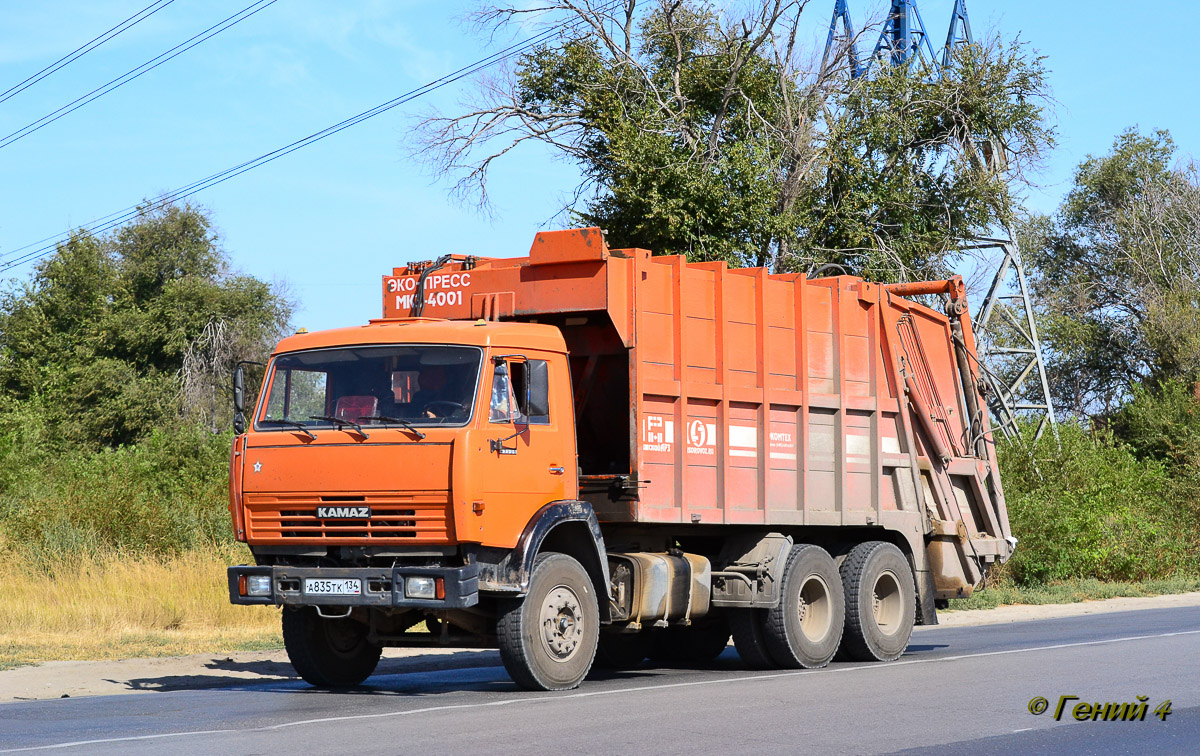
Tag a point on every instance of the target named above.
point(836, 42)
point(959, 34)
point(903, 37)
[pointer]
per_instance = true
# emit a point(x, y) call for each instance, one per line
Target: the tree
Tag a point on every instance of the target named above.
point(709, 134)
point(98, 336)
point(1117, 275)
point(914, 162)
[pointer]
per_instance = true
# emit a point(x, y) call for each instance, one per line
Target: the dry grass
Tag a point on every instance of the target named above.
point(116, 607)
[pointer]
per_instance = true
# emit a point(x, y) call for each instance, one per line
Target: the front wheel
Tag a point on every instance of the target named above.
point(548, 639)
point(328, 653)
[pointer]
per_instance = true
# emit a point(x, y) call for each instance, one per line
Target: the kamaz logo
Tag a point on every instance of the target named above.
point(344, 513)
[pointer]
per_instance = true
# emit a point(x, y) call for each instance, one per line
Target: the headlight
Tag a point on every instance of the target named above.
point(420, 588)
point(258, 585)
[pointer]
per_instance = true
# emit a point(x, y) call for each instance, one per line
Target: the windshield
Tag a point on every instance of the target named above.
point(373, 386)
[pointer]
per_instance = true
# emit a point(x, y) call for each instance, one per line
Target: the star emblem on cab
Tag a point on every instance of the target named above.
point(257, 466)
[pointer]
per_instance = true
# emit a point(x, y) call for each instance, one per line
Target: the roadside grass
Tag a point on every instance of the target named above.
point(25, 650)
point(113, 606)
point(1071, 592)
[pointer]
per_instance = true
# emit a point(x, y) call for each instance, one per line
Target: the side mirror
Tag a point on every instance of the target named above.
point(239, 400)
point(239, 389)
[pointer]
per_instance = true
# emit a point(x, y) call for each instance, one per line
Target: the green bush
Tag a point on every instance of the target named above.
point(166, 494)
point(1163, 423)
point(1094, 509)
point(22, 440)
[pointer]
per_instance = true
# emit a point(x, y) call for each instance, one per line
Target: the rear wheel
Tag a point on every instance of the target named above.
point(881, 602)
point(548, 639)
point(804, 630)
point(328, 653)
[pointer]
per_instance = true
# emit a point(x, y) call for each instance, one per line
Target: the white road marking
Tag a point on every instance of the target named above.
point(591, 694)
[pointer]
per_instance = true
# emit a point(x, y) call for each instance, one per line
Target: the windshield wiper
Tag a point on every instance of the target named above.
point(397, 421)
point(339, 421)
point(303, 428)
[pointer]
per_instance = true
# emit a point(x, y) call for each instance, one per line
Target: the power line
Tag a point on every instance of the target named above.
point(86, 48)
point(135, 73)
point(112, 220)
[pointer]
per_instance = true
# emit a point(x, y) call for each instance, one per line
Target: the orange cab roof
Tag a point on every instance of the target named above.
point(479, 333)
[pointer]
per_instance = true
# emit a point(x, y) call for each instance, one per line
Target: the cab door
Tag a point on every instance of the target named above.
point(524, 450)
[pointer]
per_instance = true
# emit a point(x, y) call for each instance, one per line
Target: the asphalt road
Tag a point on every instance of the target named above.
point(956, 690)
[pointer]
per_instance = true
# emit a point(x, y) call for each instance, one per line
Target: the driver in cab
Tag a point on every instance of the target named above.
point(431, 398)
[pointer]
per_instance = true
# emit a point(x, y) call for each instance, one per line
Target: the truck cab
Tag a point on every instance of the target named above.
point(388, 469)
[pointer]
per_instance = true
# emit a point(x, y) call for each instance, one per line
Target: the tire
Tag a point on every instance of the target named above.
point(622, 650)
point(701, 642)
point(328, 653)
point(548, 639)
point(749, 638)
point(804, 630)
point(881, 604)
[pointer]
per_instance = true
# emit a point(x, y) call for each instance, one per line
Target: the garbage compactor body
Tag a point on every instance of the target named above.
point(708, 398)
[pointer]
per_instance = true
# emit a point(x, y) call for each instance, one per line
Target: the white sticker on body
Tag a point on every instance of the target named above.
point(658, 433)
point(701, 438)
point(441, 289)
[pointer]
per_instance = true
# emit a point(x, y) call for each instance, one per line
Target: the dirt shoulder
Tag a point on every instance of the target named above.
point(1024, 612)
point(98, 678)
point(66, 679)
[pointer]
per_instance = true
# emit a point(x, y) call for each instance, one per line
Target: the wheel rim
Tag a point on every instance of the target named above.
point(887, 603)
point(344, 636)
point(562, 623)
point(815, 608)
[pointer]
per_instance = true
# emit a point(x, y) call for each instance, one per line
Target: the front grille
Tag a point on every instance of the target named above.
point(395, 518)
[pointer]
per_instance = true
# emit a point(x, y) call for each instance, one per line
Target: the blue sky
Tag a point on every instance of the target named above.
point(329, 220)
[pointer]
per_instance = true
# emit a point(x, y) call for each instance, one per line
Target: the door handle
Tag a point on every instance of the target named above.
point(554, 470)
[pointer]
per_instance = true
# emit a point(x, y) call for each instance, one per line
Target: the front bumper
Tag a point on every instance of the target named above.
point(381, 586)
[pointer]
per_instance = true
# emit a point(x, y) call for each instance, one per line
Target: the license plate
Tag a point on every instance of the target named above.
point(327, 587)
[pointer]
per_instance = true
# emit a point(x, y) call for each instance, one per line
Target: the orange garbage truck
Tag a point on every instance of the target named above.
point(594, 456)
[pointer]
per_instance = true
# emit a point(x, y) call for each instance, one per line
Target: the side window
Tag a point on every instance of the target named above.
point(539, 393)
point(509, 403)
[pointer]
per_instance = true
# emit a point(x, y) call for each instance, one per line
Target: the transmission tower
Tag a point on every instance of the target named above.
point(959, 34)
point(903, 36)
point(844, 40)
point(1010, 351)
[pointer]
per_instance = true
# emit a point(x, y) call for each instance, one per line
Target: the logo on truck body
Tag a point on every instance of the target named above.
point(344, 513)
